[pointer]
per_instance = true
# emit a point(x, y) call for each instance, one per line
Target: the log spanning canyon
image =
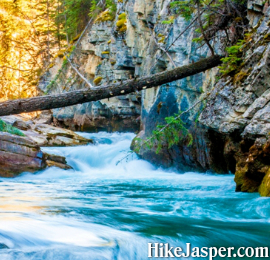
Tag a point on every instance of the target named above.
point(87, 95)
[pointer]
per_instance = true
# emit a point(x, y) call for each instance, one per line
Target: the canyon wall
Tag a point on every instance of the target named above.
point(230, 127)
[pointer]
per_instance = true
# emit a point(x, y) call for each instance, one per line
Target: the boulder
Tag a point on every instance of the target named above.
point(58, 161)
point(23, 154)
point(55, 136)
point(19, 154)
point(58, 165)
point(44, 134)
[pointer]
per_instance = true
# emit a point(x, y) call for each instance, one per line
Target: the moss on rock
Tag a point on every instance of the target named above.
point(121, 23)
point(4, 127)
point(97, 80)
point(104, 17)
point(253, 169)
point(264, 189)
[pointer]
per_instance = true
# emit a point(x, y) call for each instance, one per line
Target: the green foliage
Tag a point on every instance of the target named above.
point(110, 13)
point(76, 13)
point(170, 21)
point(94, 8)
point(71, 16)
point(231, 63)
point(4, 127)
point(207, 17)
point(170, 134)
point(110, 4)
point(184, 8)
point(198, 40)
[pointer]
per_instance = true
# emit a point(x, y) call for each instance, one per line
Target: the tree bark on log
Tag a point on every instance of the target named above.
point(86, 95)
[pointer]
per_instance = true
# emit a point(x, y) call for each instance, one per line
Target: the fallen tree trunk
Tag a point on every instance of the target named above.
point(86, 95)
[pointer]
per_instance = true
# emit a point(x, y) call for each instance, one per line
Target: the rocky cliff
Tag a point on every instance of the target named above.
point(230, 128)
point(238, 107)
point(109, 52)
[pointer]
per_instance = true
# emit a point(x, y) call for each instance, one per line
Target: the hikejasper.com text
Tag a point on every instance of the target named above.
point(164, 250)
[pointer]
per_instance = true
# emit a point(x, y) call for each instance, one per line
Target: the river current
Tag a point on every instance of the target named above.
point(104, 210)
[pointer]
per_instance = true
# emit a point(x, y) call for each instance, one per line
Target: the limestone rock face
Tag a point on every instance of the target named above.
point(243, 104)
point(105, 54)
point(238, 107)
point(159, 103)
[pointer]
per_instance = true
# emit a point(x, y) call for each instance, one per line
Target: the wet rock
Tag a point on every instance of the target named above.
point(252, 169)
point(55, 158)
point(63, 166)
point(264, 188)
point(202, 154)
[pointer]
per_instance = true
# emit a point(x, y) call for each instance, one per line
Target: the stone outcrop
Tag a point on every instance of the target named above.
point(53, 160)
point(238, 108)
point(23, 153)
point(19, 154)
point(46, 135)
point(241, 103)
point(252, 168)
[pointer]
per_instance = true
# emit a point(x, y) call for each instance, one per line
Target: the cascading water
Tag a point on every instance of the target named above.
point(101, 210)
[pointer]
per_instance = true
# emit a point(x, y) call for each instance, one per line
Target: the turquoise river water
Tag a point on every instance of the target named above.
point(101, 210)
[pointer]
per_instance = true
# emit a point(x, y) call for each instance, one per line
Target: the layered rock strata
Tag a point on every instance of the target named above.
point(23, 153)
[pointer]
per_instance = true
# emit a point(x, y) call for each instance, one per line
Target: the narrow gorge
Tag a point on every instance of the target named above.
point(184, 162)
point(229, 126)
